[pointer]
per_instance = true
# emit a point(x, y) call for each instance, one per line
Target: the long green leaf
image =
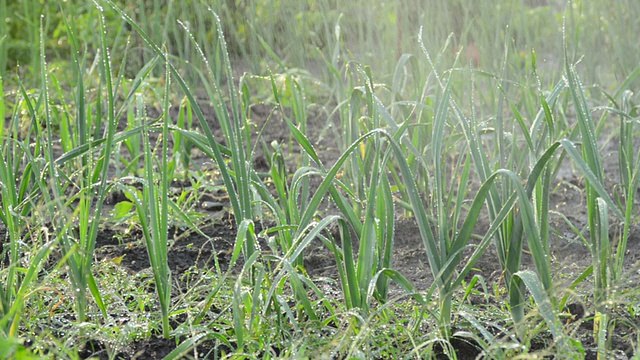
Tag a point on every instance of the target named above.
point(545, 308)
point(594, 182)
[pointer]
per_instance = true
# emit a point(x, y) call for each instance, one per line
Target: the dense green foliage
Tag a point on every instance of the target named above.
point(451, 113)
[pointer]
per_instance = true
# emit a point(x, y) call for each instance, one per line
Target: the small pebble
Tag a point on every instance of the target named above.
point(211, 206)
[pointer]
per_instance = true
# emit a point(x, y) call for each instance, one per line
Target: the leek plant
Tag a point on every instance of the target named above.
point(16, 185)
point(597, 211)
point(83, 169)
point(509, 227)
point(153, 210)
point(607, 261)
point(292, 197)
point(543, 140)
point(236, 176)
point(294, 212)
point(629, 167)
point(366, 277)
point(235, 170)
point(377, 235)
point(93, 179)
point(444, 248)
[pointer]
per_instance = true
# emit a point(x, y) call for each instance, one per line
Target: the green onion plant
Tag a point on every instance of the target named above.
point(607, 260)
point(92, 185)
point(153, 210)
point(16, 186)
point(629, 165)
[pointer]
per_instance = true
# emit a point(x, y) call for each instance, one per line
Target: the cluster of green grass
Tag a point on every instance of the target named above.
point(411, 144)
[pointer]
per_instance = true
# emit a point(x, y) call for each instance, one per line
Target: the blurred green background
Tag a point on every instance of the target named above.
point(305, 34)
